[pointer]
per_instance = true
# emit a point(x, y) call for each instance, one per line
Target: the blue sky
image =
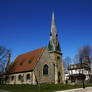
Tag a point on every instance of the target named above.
point(25, 25)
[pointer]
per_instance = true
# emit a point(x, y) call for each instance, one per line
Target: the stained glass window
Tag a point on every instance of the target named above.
point(45, 70)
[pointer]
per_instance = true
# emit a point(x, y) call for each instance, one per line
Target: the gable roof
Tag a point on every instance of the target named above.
point(25, 62)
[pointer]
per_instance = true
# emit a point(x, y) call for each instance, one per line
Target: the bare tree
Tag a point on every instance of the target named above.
point(67, 61)
point(76, 59)
point(3, 57)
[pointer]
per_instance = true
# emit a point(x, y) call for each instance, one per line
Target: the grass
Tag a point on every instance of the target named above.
point(43, 88)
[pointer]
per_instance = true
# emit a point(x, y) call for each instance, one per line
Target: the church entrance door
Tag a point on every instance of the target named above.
point(59, 76)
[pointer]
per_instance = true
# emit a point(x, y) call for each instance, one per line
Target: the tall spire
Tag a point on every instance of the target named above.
point(53, 18)
point(53, 26)
point(54, 43)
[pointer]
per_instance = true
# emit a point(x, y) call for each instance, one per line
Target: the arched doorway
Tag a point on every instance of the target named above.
point(59, 76)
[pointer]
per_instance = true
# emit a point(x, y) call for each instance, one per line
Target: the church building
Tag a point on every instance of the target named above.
point(43, 65)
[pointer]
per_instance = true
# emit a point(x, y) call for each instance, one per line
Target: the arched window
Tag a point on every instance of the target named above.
point(45, 70)
point(19, 77)
point(58, 58)
point(28, 77)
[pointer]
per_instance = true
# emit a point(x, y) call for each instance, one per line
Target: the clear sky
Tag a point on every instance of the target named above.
point(25, 25)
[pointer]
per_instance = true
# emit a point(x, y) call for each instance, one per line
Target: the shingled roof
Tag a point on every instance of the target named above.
point(25, 62)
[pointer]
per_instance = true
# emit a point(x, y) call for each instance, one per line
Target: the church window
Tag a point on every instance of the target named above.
point(54, 68)
point(50, 34)
point(28, 77)
point(19, 77)
point(56, 35)
point(12, 78)
point(45, 70)
point(58, 58)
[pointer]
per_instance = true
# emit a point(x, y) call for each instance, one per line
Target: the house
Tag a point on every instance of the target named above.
point(79, 72)
point(43, 65)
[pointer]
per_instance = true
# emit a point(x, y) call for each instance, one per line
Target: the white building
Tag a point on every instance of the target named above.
point(80, 71)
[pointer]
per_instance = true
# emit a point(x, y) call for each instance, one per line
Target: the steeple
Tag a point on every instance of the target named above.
point(53, 19)
point(53, 43)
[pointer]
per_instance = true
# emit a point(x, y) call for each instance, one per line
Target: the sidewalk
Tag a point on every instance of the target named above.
point(88, 89)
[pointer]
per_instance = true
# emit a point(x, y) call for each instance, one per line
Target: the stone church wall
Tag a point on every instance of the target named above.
point(59, 68)
point(22, 81)
point(45, 59)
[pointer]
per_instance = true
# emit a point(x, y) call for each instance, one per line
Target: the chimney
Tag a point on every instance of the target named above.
point(87, 60)
point(8, 61)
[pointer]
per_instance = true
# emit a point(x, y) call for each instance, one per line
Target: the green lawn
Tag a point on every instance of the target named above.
point(43, 88)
